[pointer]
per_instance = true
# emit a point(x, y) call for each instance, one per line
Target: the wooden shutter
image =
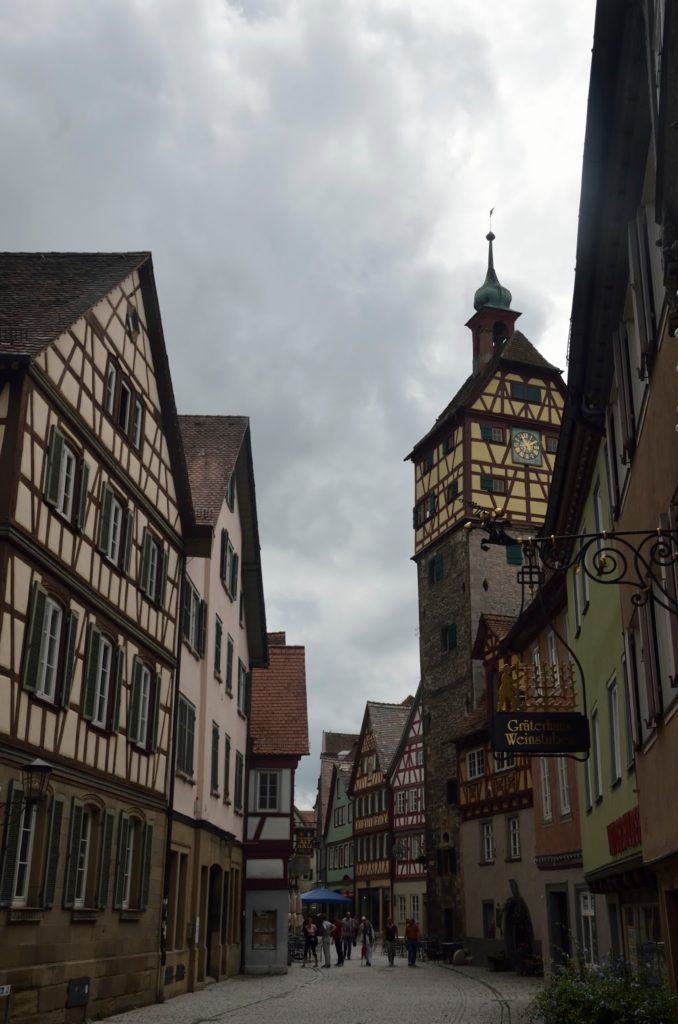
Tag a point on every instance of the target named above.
point(163, 559)
point(146, 860)
point(145, 564)
point(52, 855)
point(77, 811)
point(641, 273)
point(624, 392)
point(83, 483)
point(234, 575)
point(134, 703)
point(214, 764)
point(229, 664)
point(190, 738)
point(104, 535)
point(90, 673)
point(222, 560)
point(227, 766)
point(186, 609)
point(123, 833)
point(218, 630)
point(33, 639)
point(11, 843)
point(128, 539)
point(650, 661)
point(105, 864)
point(248, 692)
point(202, 627)
point(155, 711)
point(53, 472)
point(69, 657)
point(117, 681)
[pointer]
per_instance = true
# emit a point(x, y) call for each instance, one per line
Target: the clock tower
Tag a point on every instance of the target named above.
point(492, 447)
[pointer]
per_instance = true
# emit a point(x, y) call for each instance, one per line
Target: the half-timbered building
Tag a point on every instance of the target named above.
point(278, 738)
point(94, 508)
point(335, 747)
point(339, 830)
point(408, 814)
point(502, 902)
point(223, 633)
point(492, 448)
point(372, 826)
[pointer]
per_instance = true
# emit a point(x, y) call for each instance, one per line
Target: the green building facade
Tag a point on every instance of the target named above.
point(339, 832)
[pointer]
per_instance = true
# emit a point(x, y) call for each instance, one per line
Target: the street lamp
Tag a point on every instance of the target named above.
point(35, 778)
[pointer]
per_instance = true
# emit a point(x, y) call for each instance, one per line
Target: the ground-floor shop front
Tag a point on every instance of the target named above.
point(409, 902)
point(374, 900)
point(203, 923)
point(631, 928)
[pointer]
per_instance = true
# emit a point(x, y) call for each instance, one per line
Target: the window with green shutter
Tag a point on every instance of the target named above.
point(103, 880)
point(229, 664)
point(185, 736)
point(50, 648)
point(153, 568)
point(115, 533)
point(103, 680)
point(452, 491)
point(514, 554)
point(218, 633)
point(214, 765)
point(239, 780)
point(227, 768)
point(52, 850)
point(448, 638)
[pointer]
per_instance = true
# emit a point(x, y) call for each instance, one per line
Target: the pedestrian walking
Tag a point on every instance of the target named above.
point(339, 940)
point(367, 935)
point(310, 933)
point(347, 936)
point(325, 930)
point(390, 939)
point(412, 939)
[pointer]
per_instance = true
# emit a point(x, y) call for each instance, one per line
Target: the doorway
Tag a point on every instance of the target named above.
point(560, 944)
point(213, 934)
point(518, 932)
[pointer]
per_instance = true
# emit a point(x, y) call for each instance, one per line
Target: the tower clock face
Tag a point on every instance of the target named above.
point(526, 446)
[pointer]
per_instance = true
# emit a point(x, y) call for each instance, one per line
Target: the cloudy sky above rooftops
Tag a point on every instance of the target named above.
point(313, 178)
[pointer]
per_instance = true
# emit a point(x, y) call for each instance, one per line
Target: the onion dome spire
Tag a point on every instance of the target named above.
point(491, 293)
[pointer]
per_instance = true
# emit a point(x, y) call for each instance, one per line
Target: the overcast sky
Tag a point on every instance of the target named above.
point(313, 178)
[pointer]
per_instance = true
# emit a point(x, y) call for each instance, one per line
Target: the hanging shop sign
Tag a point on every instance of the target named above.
point(540, 732)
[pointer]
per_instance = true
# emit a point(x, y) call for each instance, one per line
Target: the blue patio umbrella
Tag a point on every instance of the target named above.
point(324, 896)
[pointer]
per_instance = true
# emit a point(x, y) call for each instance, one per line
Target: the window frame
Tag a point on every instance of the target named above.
point(564, 795)
point(185, 764)
point(487, 847)
point(615, 731)
point(268, 794)
point(477, 758)
point(514, 849)
point(545, 789)
point(40, 691)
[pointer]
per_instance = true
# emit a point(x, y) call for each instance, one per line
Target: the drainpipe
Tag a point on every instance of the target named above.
point(246, 804)
point(170, 793)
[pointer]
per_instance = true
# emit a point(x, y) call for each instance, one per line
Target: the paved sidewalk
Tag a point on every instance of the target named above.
point(352, 994)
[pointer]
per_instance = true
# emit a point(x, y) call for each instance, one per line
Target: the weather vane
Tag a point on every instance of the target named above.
point(491, 212)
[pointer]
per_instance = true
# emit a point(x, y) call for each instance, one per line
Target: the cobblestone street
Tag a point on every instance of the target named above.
point(352, 995)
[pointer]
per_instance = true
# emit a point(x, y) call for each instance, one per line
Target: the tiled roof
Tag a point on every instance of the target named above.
point(473, 724)
point(212, 445)
point(328, 761)
point(387, 722)
point(335, 742)
point(517, 349)
point(278, 714)
point(307, 817)
point(498, 625)
point(277, 639)
point(42, 294)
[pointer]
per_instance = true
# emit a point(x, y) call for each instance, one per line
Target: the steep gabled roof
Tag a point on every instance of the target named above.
point(491, 626)
point(415, 708)
point(385, 722)
point(335, 742)
point(216, 447)
point(518, 352)
point(212, 445)
point(278, 722)
point(42, 294)
point(306, 818)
